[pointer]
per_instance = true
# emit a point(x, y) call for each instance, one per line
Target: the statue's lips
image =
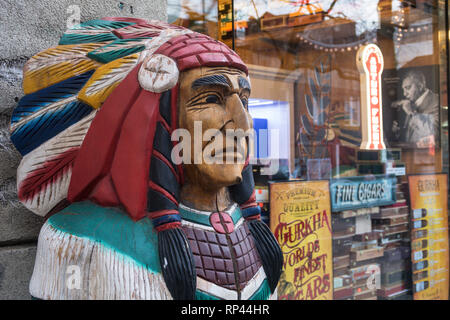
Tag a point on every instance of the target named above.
point(228, 153)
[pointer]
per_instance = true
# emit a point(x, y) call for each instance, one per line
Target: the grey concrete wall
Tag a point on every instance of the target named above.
point(28, 27)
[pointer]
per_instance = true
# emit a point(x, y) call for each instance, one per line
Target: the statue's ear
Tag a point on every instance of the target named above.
point(158, 73)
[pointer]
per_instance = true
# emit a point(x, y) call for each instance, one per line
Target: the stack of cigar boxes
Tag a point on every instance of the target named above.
point(364, 255)
point(343, 232)
point(355, 252)
point(393, 222)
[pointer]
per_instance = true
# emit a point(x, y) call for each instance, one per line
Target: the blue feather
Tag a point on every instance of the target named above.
point(41, 99)
point(38, 130)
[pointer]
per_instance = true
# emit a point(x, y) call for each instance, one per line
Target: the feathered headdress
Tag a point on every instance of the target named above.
point(106, 77)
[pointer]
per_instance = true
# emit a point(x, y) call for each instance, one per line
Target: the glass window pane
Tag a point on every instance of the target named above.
point(350, 106)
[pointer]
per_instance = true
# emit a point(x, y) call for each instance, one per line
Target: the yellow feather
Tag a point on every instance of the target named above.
point(105, 79)
point(58, 64)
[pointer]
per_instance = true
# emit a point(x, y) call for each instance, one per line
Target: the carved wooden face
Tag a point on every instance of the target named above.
point(216, 98)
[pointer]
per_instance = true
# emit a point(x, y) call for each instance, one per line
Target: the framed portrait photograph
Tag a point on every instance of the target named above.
point(411, 107)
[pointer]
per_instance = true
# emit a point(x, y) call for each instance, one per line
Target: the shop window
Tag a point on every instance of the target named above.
point(379, 211)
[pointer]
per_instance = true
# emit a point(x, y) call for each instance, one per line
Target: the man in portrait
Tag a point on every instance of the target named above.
point(419, 112)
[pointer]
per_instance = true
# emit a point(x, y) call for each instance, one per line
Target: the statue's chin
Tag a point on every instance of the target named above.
point(222, 175)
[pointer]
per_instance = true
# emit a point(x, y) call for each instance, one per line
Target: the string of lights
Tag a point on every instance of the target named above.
point(401, 30)
point(343, 47)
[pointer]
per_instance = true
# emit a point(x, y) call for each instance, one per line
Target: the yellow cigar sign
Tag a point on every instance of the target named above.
point(301, 222)
point(429, 236)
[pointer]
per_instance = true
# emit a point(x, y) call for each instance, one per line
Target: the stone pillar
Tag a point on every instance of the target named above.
point(28, 27)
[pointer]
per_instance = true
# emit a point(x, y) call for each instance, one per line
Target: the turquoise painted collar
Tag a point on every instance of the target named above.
point(202, 217)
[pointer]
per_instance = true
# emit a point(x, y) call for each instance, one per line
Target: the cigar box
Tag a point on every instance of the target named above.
point(341, 262)
point(362, 272)
point(391, 238)
point(342, 281)
point(364, 245)
point(357, 264)
point(402, 242)
point(392, 221)
point(343, 293)
point(386, 212)
point(394, 244)
point(366, 295)
point(401, 295)
point(359, 212)
point(340, 224)
point(342, 246)
point(373, 298)
point(389, 278)
point(346, 298)
point(361, 283)
point(395, 266)
point(342, 271)
point(395, 254)
point(400, 203)
point(388, 230)
point(343, 233)
point(386, 291)
point(369, 236)
point(366, 254)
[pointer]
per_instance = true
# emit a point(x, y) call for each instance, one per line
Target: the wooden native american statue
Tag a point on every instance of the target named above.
point(124, 220)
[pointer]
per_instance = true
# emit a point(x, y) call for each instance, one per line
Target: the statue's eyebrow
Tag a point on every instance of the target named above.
point(214, 80)
point(244, 84)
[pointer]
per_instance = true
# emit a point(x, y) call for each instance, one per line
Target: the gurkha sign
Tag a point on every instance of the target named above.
point(301, 222)
point(369, 60)
point(362, 192)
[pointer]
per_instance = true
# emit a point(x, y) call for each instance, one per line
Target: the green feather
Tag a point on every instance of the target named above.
point(117, 49)
point(102, 25)
point(93, 31)
point(83, 38)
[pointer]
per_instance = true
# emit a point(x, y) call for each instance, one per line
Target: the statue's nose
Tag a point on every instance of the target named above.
point(236, 113)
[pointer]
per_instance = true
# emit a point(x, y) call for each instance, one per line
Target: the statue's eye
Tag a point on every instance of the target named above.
point(212, 99)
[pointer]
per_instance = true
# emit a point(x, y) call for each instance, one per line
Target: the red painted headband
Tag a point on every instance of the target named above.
point(194, 50)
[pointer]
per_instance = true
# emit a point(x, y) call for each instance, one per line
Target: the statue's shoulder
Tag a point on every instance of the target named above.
point(110, 228)
point(87, 251)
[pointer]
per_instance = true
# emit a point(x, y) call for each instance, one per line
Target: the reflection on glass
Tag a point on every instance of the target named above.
point(197, 15)
point(301, 56)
